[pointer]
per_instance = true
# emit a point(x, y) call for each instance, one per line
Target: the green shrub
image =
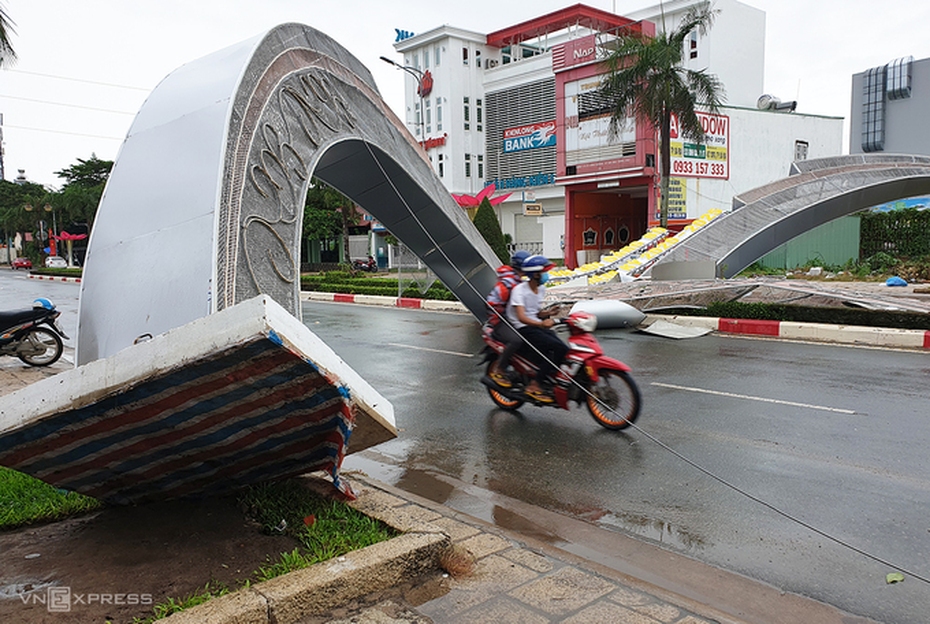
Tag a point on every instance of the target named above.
point(800, 314)
point(490, 228)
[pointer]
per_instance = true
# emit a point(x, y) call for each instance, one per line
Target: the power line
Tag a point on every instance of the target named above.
point(94, 82)
point(80, 134)
point(92, 108)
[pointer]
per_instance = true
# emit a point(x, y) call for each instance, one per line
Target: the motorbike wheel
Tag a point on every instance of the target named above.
point(502, 400)
point(46, 345)
point(614, 401)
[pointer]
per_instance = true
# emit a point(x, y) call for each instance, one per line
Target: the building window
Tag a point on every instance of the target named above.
point(899, 78)
point(480, 166)
point(425, 59)
point(464, 56)
point(873, 110)
point(438, 114)
point(416, 118)
point(478, 59)
point(693, 44)
point(438, 55)
point(478, 115)
point(416, 60)
point(429, 116)
point(467, 165)
point(466, 113)
point(505, 55)
point(440, 165)
point(800, 150)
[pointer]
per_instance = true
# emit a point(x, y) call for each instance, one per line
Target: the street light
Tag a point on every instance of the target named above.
point(418, 76)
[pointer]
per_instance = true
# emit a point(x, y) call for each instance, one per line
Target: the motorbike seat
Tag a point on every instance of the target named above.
point(15, 317)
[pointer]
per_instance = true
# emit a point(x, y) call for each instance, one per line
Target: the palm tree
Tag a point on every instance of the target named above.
point(646, 81)
point(7, 54)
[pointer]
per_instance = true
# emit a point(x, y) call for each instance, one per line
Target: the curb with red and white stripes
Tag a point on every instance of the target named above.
point(788, 330)
point(390, 302)
point(55, 278)
point(816, 332)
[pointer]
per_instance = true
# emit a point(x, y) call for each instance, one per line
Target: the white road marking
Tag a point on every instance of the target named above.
point(403, 346)
point(754, 398)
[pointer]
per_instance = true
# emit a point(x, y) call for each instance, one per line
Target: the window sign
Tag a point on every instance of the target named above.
point(710, 159)
point(677, 198)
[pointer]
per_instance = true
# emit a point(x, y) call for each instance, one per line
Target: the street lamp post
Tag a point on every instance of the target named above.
point(418, 76)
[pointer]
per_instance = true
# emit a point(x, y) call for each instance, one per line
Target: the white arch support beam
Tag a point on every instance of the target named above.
point(818, 191)
point(203, 208)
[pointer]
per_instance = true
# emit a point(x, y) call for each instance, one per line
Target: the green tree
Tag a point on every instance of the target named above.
point(486, 222)
point(14, 218)
point(645, 81)
point(78, 199)
point(7, 54)
point(327, 214)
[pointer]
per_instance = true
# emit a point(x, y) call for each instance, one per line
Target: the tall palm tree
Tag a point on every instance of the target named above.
point(7, 54)
point(645, 81)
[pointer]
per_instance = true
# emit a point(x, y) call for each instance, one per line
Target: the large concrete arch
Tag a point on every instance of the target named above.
point(203, 208)
point(817, 192)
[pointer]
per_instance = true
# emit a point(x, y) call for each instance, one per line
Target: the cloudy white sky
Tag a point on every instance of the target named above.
point(86, 66)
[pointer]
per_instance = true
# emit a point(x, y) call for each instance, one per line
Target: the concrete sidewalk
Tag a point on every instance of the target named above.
point(505, 578)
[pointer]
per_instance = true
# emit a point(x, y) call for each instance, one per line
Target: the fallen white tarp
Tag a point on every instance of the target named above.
point(610, 313)
point(671, 330)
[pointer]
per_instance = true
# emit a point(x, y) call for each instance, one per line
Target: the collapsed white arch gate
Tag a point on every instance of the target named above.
point(204, 206)
point(816, 192)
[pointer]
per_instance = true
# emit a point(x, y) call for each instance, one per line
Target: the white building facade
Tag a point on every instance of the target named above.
point(518, 108)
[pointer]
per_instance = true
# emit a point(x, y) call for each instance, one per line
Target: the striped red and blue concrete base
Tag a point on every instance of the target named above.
point(253, 413)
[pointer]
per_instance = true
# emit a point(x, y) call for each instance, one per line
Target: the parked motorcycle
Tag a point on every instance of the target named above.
point(33, 335)
point(586, 376)
point(365, 265)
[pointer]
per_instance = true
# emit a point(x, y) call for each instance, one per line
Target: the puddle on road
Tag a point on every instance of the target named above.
point(22, 588)
point(444, 492)
point(658, 531)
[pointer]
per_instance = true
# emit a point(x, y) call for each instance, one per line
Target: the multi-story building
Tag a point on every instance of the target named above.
point(889, 108)
point(519, 108)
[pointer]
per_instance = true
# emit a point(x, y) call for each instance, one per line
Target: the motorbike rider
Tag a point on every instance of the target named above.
point(508, 276)
point(525, 312)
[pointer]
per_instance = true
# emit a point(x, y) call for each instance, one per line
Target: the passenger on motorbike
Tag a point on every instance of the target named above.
point(508, 276)
point(525, 312)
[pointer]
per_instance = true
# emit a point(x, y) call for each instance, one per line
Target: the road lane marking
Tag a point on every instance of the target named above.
point(403, 346)
point(754, 398)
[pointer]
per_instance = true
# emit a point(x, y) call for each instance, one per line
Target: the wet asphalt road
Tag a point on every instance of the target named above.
point(835, 436)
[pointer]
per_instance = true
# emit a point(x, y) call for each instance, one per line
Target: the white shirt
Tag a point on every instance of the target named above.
point(522, 295)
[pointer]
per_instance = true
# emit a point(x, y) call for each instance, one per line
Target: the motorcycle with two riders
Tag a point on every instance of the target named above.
point(586, 375)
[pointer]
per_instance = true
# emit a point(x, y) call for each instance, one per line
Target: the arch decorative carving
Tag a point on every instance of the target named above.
point(204, 206)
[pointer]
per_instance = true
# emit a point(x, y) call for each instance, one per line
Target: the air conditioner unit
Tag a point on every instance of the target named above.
point(490, 63)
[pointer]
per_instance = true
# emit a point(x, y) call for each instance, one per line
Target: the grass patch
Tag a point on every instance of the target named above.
point(323, 527)
point(26, 500)
point(164, 609)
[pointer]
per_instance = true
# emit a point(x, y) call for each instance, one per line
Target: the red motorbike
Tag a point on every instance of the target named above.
point(586, 376)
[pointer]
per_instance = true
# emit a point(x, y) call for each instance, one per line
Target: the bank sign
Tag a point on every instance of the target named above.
point(528, 137)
